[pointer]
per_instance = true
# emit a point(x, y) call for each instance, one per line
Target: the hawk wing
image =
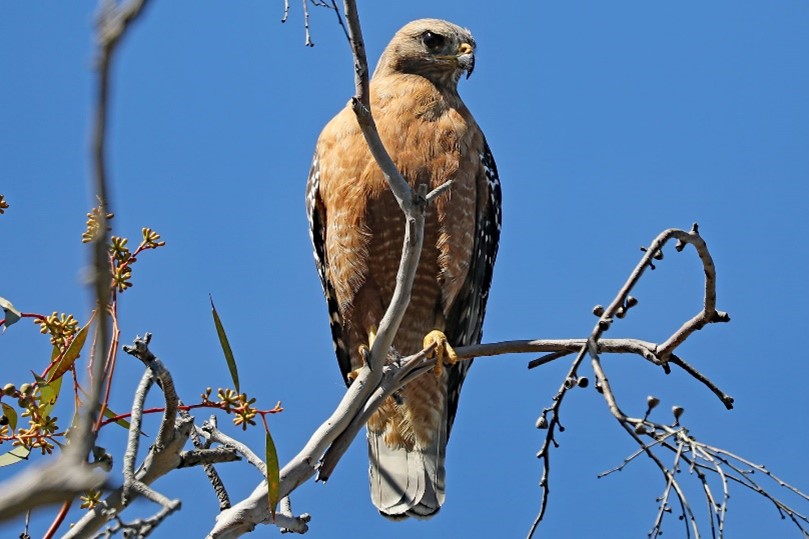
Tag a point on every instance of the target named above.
point(316, 213)
point(465, 320)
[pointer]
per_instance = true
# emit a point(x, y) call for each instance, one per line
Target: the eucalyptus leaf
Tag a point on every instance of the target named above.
point(10, 415)
point(14, 456)
point(71, 354)
point(223, 340)
point(273, 473)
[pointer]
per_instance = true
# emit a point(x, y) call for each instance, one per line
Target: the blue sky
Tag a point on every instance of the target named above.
point(609, 122)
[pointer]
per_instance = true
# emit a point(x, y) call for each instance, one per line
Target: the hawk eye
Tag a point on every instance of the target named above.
point(432, 40)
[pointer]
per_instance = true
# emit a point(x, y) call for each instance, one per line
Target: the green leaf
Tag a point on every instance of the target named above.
point(48, 393)
point(10, 415)
point(71, 354)
point(122, 422)
point(12, 314)
point(223, 340)
point(273, 477)
point(14, 456)
point(18, 453)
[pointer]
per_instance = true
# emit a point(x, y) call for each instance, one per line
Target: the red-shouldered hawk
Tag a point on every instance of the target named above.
point(357, 231)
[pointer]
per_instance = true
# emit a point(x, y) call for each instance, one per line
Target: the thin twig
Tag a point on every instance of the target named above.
point(286, 11)
point(340, 19)
point(213, 476)
point(210, 432)
point(309, 42)
point(618, 307)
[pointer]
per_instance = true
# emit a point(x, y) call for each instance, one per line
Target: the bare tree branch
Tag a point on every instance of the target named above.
point(113, 20)
point(662, 354)
point(213, 476)
point(207, 457)
point(164, 455)
point(213, 434)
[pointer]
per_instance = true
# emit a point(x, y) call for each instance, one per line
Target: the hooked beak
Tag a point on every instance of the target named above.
point(466, 58)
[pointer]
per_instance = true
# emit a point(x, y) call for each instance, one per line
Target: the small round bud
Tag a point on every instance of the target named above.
point(677, 411)
point(631, 301)
point(542, 422)
point(9, 389)
point(3, 421)
point(570, 382)
point(26, 389)
point(583, 382)
point(598, 310)
point(620, 313)
point(652, 402)
point(640, 428)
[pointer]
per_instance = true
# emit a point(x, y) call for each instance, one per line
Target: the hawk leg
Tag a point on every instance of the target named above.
point(365, 351)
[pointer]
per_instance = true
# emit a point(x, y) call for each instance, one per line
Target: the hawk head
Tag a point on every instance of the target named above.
point(432, 48)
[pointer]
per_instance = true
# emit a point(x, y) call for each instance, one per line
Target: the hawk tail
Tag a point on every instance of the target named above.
point(406, 482)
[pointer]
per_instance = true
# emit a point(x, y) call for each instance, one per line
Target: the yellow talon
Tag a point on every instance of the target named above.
point(365, 351)
point(371, 335)
point(442, 352)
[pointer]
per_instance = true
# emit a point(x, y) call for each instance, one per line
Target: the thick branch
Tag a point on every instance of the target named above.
point(55, 482)
point(113, 21)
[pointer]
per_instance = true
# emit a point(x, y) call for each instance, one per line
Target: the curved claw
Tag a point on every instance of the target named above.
point(442, 352)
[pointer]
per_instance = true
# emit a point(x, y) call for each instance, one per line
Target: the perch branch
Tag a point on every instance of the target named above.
point(245, 515)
